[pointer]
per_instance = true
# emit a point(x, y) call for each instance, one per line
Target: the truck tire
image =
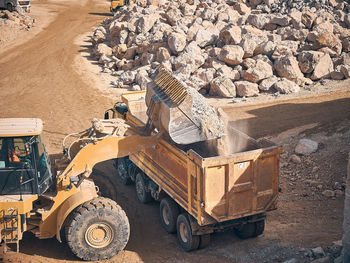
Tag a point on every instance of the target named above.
point(142, 194)
point(169, 211)
point(123, 166)
point(204, 241)
point(184, 234)
point(98, 229)
point(104, 184)
point(251, 229)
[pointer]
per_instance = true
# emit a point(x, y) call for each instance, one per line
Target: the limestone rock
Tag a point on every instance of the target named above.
point(323, 68)
point(288, 67)
point(246, 88)
point(267, 84)
point(308, 18)
point(306, 147)
point(231, 54)
point(177, 42)
point(103, 49)
point(308, 60)
point(260, 71)
point(286, 86)
point(345, 69)
point(206, 36)
point(223, 87)
point(231, 35)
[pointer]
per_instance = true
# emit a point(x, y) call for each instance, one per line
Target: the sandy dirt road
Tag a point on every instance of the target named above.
point(38, 79)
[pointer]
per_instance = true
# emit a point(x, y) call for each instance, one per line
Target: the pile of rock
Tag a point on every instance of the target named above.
point(227, 48)
point(16, 19)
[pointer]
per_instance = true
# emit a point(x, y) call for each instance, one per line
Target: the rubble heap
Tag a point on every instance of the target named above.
point(227, 48)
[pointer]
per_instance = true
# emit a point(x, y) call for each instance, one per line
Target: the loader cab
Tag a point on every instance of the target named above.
point(24, 164)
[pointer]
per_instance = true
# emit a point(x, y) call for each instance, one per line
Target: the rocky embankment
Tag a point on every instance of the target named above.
point(227, 48)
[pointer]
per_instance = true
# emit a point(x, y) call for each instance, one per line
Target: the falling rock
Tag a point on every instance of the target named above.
point(177, 42)
point(231, 35)
point(323, 68)
point(223, 87)
point(306, 147)
point(267, 84)
point(308, 60)
point(286, 86)
point(231, 55)
point(246, 88)
point(261, 70)
point(288, 68)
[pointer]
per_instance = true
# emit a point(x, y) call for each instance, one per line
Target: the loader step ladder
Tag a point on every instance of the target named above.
point(9, 228)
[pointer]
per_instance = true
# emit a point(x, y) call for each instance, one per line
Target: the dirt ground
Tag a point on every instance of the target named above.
point(48, 74)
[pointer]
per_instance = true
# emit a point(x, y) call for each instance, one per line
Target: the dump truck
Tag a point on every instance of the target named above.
point(200, 191)
point(160, 140)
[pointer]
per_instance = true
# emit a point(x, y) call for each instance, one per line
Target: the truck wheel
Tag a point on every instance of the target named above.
point(98, 229)
point(9, 7)
point(104, 184)
point(251, 229)
point(141, 190)
point(123, 171)
point(169, 211)
point(204, 241)
point(184, 234)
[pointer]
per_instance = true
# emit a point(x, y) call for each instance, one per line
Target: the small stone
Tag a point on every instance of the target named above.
point(345, 69)
point(323, 260)
point(306, 147)
point(295, 159)
point(328, 193)
point(338, 192)
point(293, 260)
point(318, 252)
point(337, 186)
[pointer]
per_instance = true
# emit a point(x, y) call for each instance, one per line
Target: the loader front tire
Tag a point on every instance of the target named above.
point(123, 166)
point(98, 229)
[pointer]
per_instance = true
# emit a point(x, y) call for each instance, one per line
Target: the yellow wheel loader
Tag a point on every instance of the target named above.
point(48, 196)
point(116, 4)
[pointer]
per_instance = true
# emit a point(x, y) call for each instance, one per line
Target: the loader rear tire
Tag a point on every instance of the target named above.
point(98, 229)
point(143, 195)
point(187, 241)
point(250, 229)
point(169, 211)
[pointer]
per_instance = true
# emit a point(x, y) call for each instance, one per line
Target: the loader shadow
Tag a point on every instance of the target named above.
point(272, 120)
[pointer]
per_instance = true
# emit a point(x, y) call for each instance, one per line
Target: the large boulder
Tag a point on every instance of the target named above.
point(177, 42)
point(246, 88)
point(288, 68)
point(323, 68)
point(223, 87)
point(286, 86)
point(231, 55)
point(306, 147)
point(308, 60)
point(260, 71)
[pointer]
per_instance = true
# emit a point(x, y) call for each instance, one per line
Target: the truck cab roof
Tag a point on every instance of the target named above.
point(14, 127)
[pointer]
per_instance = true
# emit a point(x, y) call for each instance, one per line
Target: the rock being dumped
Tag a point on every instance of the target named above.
point(227, 48)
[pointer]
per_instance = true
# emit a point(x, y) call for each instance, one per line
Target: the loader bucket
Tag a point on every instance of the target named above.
point(181, 111)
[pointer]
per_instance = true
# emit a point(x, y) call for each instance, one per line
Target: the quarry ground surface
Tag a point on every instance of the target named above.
point(47, 74)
